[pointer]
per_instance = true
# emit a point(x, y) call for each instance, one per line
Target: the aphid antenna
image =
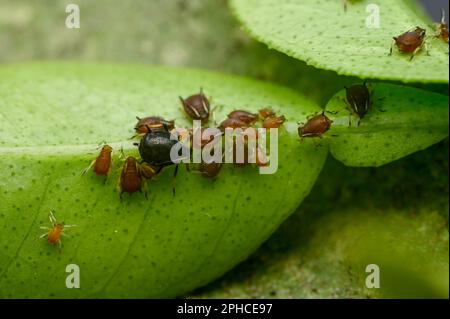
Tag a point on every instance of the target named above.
point(443, 16)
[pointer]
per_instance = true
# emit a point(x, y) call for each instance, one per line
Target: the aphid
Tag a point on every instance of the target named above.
point(273, 121)
point(153, 122)
point(261, 157)
point(315, 126)
point(200, 142)
point(265, 113)
point(55, 232)
point(442, 28)
point(359, 98)
point(155, 148)
point(197, 106)
point(102, 162)
point(210, 170)
point(131, 177)
point(243, 116)
point(232, 123)
point(411, 41)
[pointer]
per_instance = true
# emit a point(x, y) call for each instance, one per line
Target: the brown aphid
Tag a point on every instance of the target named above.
point(131, 177)
point(232, 123)
point(102, 163)
point(261, 158)
point(411, 41)
point(210, 170)
point(359, 98)
point(265, 113)
point(201, 142)
point(442, 28)
point(244, 116)
point(56, 230)
point(315, 127)
point(273, 121)
point(152, 122)
point(197, 106)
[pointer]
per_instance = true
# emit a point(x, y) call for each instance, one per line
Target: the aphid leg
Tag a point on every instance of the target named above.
point(137, 135)
point(344, 2)
point(122, 154)
point(426, 48)
point(175, 173)
point(88, 168)
point(416, 51)
point(392, 46)
point(213, 113)
point(145, 186)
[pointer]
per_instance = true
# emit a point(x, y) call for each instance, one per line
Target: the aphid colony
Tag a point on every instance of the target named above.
point(155, 144)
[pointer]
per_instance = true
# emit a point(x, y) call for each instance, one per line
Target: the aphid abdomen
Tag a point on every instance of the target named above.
point(102, 164)
point(130, 179)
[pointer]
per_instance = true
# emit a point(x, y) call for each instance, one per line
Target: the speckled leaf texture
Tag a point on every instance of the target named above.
point(52, 117)
point(401, 121)
point(324, 35)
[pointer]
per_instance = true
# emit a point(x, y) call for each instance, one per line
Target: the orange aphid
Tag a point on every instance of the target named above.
point(55, 232)
point(131, 177)
point(265, 113)
point(274, 121)
point(102, 162)
point(442, 28)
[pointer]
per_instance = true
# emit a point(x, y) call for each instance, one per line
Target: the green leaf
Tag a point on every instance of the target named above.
point(53, 115)
point(323, 35)
point(401, 121)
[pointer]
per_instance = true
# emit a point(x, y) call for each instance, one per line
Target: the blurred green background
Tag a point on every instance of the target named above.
point(396, 215)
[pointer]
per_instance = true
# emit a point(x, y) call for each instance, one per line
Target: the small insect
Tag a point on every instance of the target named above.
point(210, 170)
point(261, 158)
point(265, 113)
point(273, 121)
point(199, 141)
point(243, 116)
point(442, 28)
point(155, 149)
point(55, 232)
point(315, 126)
point(131, 177)
point(359, 98)
point(232, 123)
point(152, 122)
point(197, 106)
point(411, 41)
point(102, 163)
